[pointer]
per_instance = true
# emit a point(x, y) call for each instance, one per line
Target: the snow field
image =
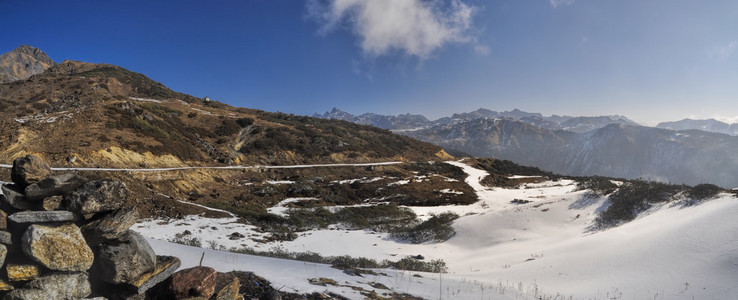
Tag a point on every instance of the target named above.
point(542, 249)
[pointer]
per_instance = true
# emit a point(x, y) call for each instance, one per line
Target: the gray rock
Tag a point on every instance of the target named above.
point(13, 196)
point(97, 196)
point(165, 267)
point(57, 247)
point(3, 254)
point(6, 238)
point(27, 294)
point(54, 186)
point(41, 217)
point(28, 170)
point(63, 285)
point(110, 227)
point(125, 261)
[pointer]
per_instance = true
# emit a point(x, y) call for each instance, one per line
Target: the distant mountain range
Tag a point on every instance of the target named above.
point(709, 125)
point(678, 152)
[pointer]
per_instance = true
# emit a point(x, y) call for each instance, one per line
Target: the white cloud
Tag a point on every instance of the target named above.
point(726, 119)
point(413, 27)
point(482, 49)
point(556, 3)
point(724, 52)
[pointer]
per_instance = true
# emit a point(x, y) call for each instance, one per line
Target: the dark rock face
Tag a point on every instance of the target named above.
point(60, 247)
point(23, 62)
point(125, 261)
point(193, 282)
point(54, 186)
point(97, 196)
point(28, 170)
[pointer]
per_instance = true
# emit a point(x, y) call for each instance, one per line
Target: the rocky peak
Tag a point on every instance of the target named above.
point(23, 62)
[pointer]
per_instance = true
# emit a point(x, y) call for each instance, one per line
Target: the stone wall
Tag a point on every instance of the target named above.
point(64, 237)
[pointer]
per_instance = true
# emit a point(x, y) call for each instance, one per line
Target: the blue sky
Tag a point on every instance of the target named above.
point(654, 60)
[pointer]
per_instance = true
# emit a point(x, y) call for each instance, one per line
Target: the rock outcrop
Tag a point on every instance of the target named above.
point(23, 62)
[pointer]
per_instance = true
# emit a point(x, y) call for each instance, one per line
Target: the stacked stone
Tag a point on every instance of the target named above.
point(62, 237)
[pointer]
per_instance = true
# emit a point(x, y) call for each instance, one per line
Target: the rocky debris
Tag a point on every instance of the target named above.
point(28, 170)
point(111, 226)
point(22, 272)
point(14, 196)
point(193, 282)
point(54, 186)
point(41, 217)
point(96, 196)
point(125, 261)
point(57, 247)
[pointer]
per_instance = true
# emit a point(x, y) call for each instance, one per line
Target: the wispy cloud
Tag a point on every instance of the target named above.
point(724, 52)
point(557, 3)
point(413, 27)
point(482, 49)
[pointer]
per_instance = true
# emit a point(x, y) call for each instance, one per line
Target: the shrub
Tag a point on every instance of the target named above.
point(244, 122)
point(228, 127)
point(704, 191)
point(634, 197)
point(601, 186)
point(436, 229)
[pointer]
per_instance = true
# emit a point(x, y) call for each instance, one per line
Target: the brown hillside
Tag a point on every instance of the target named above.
point(94, 115)
point(81, 114)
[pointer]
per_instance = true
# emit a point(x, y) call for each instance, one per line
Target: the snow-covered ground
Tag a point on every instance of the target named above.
point(541, 249)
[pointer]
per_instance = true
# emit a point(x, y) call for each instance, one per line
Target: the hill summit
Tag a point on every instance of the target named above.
point(23, 62)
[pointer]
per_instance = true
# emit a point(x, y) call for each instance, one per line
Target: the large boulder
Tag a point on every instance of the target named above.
point(110, 227)
point(193, 282)
point(28, 170)
point(125, 261)
point(59, 286)
point(97, 196)
point(57, 247)
point(54, 186)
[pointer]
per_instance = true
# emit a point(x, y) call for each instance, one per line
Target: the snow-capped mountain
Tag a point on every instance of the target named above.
point(606, 145)
point(710, 125)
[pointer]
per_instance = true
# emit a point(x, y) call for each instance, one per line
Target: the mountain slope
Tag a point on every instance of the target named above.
point(23, 62)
